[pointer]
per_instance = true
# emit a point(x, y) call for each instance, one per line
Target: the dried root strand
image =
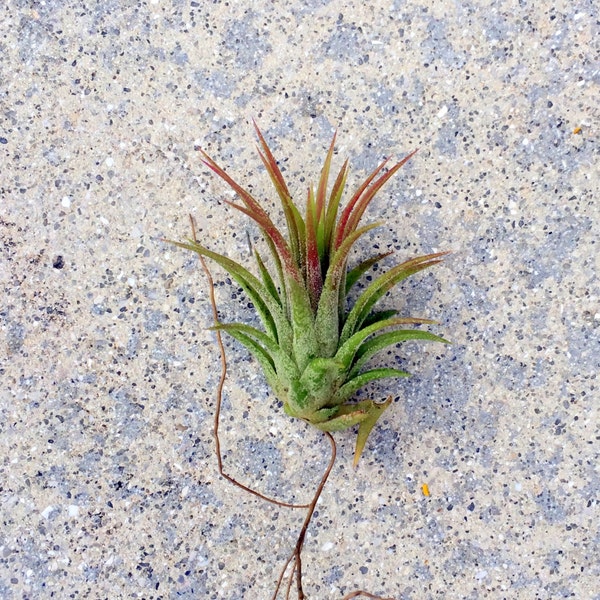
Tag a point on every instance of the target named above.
point(358, 593)
point(296, 557)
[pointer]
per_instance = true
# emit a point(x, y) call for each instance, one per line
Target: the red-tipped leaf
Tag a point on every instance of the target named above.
point(292, 215)
point(341, 226)
point(314, 281)
point(256, 212)
point(368, 195)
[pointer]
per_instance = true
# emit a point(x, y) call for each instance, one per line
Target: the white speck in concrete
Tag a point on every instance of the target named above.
point(47, 511)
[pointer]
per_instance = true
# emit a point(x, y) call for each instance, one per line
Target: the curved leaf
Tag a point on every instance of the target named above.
point(333, 206)
point(322, 189)
point(268, 309)
point(365, 199)
point(343, 421)
point(365, 427)
point(352, 386)
point(257, 213)
point(379, 315)
point(292, 214)
point(340, 231)
point(272, 348)
point(380, 286)
point(284, 365)
point(357, 272)
point(266, 277)
point(347, 351)
point(390, 338)
point(260, 354)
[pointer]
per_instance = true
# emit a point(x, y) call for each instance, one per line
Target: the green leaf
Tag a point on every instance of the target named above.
point(320, 206)
point(271, 346)
point(322, 189)
point(359, 381)
point(266, 277)
point(348, 349)
point(357, 272)
point(283, 299)
point(380, 315)
point(327, 321)
point(323, 414)
point(333, 206)
point(380, 286)
point(390, 338)
point(343, 421)
point(365, 427)
point(364, 414)
point(319, 379)
point(304, 341)
point(262, 356)
point(267, 308)
point(286, 384)
point(282, 361)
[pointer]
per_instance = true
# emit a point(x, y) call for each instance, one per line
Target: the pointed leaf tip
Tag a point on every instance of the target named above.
point(365, 426)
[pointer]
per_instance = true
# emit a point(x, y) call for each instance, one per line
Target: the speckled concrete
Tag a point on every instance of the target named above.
point(108, 478)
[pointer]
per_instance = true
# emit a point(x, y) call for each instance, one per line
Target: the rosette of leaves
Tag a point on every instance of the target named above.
point(315, 346)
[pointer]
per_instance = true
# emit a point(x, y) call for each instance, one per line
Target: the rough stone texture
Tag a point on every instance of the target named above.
point(108, 477)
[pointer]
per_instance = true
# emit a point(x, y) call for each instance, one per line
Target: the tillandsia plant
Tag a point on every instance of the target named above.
point(315, 345)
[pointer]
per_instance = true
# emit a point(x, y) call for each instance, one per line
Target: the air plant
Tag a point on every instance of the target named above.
point(315, 344)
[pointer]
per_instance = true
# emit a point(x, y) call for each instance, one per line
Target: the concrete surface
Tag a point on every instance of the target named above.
point(108, 478)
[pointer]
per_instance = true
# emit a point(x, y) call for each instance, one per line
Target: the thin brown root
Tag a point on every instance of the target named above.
point(295, 557)
point(280, 578)
point(288, 589)
point(363, 593)
point(217, 417)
